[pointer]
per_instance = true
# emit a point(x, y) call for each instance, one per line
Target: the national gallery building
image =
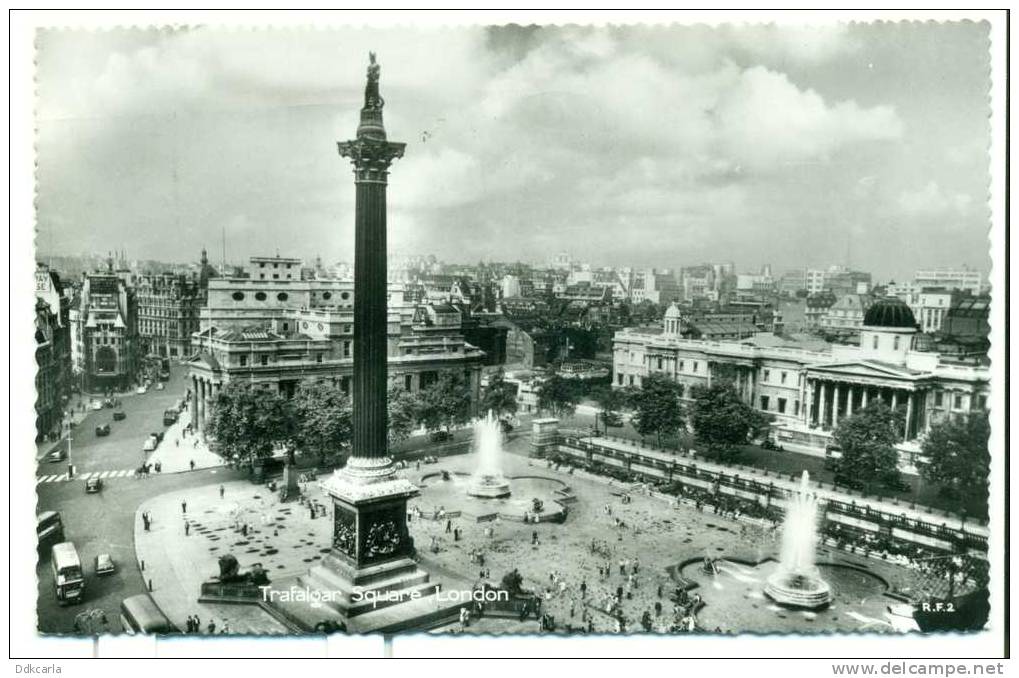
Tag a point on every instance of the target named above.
point(808, 389)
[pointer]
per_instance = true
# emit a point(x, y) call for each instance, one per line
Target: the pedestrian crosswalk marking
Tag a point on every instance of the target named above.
point(59, 478)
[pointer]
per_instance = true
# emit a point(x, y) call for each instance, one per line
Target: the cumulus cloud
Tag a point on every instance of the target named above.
point(764, 120)
point(516, 137)
point(807, 44)
point(933, 201)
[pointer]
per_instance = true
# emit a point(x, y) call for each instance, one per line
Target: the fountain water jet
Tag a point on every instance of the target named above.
point(797, 582)
point(488, 480)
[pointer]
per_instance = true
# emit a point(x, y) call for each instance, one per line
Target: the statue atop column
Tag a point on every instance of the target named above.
point(372, 98)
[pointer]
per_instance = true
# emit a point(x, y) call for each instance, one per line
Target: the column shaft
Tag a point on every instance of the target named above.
point(370, 332)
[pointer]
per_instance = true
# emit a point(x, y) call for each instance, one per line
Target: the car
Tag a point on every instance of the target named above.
point(102, 430)
point(109, 402)
point(150, 444)
point(158, 436)
point(160, 386)
point(119, 415)
point(97, 405)
point(56, 455)
point(140, 390)
point(93, 485)
point(105, 564)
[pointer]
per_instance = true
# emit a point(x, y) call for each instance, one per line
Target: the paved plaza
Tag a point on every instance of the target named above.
point(636, 544)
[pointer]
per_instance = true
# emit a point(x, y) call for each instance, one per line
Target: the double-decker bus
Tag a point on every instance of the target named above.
point(68, 577)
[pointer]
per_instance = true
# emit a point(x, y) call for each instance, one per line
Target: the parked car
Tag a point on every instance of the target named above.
point(150, 444)
point(158, 436)
point(109, 402)
point(102, 430)
point(97, 404)
point(119, 415)
point(105, 564)
point(140, 390)
point(56, 455)
point(160, 386)
point(93, 485)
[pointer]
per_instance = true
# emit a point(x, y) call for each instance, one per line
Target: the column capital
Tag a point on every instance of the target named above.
point(371, 158)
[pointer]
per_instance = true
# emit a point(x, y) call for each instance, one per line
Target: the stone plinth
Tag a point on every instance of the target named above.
point(491, 487)
point(798, 590)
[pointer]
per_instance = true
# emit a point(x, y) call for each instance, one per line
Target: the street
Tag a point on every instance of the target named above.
point(122, 449)
point(103, 522)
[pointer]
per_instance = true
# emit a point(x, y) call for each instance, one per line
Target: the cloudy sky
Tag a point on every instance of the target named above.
point(624, 146)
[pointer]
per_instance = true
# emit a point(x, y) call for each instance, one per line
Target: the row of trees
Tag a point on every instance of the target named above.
point(955, 451)
point(247, 422)
point(955, 454)
point(720, 419)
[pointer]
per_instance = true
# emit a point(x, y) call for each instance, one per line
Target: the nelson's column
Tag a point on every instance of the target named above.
point(371, 547)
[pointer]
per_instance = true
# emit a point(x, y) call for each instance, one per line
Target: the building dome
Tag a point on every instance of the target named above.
point(673, 312)
point(889, 312)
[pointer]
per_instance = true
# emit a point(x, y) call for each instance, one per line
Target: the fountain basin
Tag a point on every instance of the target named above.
point(798, 590)
point(489, 487)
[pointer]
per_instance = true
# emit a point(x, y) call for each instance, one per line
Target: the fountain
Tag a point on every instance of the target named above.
point(797, 582)
point(488, 480)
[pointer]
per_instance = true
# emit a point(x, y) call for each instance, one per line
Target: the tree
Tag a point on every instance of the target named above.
point(867, 441)
point(656, 407)
point(611, 401)
point(958, 459)
point(322, 418)
point(722, 421)
point(558, 396)
point(247, 422)
point(403, 415)
point(445, 403)
point(500, 397)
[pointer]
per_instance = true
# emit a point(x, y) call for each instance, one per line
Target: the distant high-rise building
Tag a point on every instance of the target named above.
point(510, 286)
point(814, 280)
point(952, 279)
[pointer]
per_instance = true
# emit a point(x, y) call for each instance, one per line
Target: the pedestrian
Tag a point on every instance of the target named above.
point(198, 624)
point(449, 526)
point(583, 588)
point(187, 528)
point(212, 626)
point(192, 464)
point(244, 530)
point(221, 491)
point(190, 623)
point(183, 506)
point(176, 443)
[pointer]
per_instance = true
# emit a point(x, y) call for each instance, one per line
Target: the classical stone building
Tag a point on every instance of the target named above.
point(808, 391)
point(107, 329)
point(277, 332)
point(169, 306)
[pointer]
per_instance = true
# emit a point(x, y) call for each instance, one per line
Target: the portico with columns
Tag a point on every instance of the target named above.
point(836, 391)
point(204, 389)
